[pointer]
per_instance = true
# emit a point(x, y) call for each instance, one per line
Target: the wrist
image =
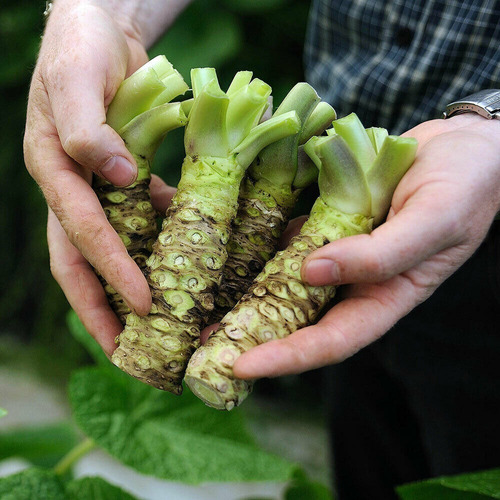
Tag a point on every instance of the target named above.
point(141, 20)
point(145, 20)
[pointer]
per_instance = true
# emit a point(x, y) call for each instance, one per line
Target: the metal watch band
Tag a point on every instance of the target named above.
point(485, 103)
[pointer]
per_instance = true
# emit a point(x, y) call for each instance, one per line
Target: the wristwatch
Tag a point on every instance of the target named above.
point(485, 103)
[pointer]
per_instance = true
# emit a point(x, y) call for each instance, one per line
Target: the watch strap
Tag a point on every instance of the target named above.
point(485, 103)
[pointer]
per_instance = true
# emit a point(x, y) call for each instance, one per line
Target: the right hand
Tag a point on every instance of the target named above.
point(85, 55)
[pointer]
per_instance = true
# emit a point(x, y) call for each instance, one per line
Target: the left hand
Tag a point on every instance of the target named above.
point(82, 287)
point(441, 212)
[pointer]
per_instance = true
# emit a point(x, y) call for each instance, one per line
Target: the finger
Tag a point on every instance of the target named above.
point(76, 206)
point(357, 321)
point(291, 230)
point(81, 287)
point(77, 100)
point(161, 194)
point(207, 331)
point(91, 62)
point(409, 237)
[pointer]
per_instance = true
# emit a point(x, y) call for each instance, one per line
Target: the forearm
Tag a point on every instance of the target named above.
point(144, 20)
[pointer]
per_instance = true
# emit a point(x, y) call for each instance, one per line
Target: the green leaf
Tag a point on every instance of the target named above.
point(302, 487)
point(308, 489)
point(32, 484)
point(79, 332)
point(43, 446)
point(174, 438)
point(95, 488)
point(3, 412)
point(471, 486)
point(41, 484)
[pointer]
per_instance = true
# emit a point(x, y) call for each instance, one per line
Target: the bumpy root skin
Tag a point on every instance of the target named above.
point(184, 272)
point(277, 304)
point(129, 211)
point(256, 230)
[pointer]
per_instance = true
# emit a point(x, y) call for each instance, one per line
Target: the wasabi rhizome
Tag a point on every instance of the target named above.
point(142, 114)
point(222, 138)
point(267, 196)
point(358, 173)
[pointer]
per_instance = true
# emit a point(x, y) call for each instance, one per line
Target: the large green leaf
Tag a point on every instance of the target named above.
point(43, 446)
point(41, 484)
point(32, 484)
point(301, 487)
point(309, 490)
point(95, 488)
point(175, 438)
point(471, 486)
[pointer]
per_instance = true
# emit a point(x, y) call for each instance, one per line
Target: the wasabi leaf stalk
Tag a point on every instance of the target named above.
point(185, 268)
point(267, 195)
point(142, 114)
point(353, 193)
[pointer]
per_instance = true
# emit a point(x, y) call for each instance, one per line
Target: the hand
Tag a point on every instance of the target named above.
point(86, 53)
point(441, 212)
point(79, 281)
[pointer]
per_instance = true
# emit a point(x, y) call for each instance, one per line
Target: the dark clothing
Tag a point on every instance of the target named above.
point(424, 400)
point(397, 63)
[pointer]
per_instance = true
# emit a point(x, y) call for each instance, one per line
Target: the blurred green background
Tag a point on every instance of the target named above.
point(265, 36)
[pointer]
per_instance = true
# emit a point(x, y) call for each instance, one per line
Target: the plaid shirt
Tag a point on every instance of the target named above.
point(397, 63)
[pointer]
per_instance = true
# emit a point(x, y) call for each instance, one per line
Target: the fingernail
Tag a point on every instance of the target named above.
point(322, 272)
point(119, 171)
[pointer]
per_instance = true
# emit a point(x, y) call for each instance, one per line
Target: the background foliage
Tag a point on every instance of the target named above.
point(265, 36)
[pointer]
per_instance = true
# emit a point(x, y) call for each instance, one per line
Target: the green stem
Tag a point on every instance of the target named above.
point(341, 180)
point(377, 137)
point(145, 132)
point(264, 134)
point(320, 118)
point(73, 456)
point(137, 93)
point(241, 78)
point(394, 159)
point(206, 131)
point(200, 77)
point(277, 163)
point(352, 131)
point(245, 108)
point(307, 172)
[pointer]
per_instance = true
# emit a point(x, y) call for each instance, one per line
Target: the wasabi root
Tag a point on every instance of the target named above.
point(222, 138)
point(142, 115)
point(356, 182)
point(267, 195)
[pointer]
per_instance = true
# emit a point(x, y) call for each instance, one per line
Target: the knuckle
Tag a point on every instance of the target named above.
point(89, 230)
point(340, 346)
point(80, 144)
point(375, 266)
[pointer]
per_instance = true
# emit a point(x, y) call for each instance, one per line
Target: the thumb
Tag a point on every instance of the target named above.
point(80, 119)
point(410, 237)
